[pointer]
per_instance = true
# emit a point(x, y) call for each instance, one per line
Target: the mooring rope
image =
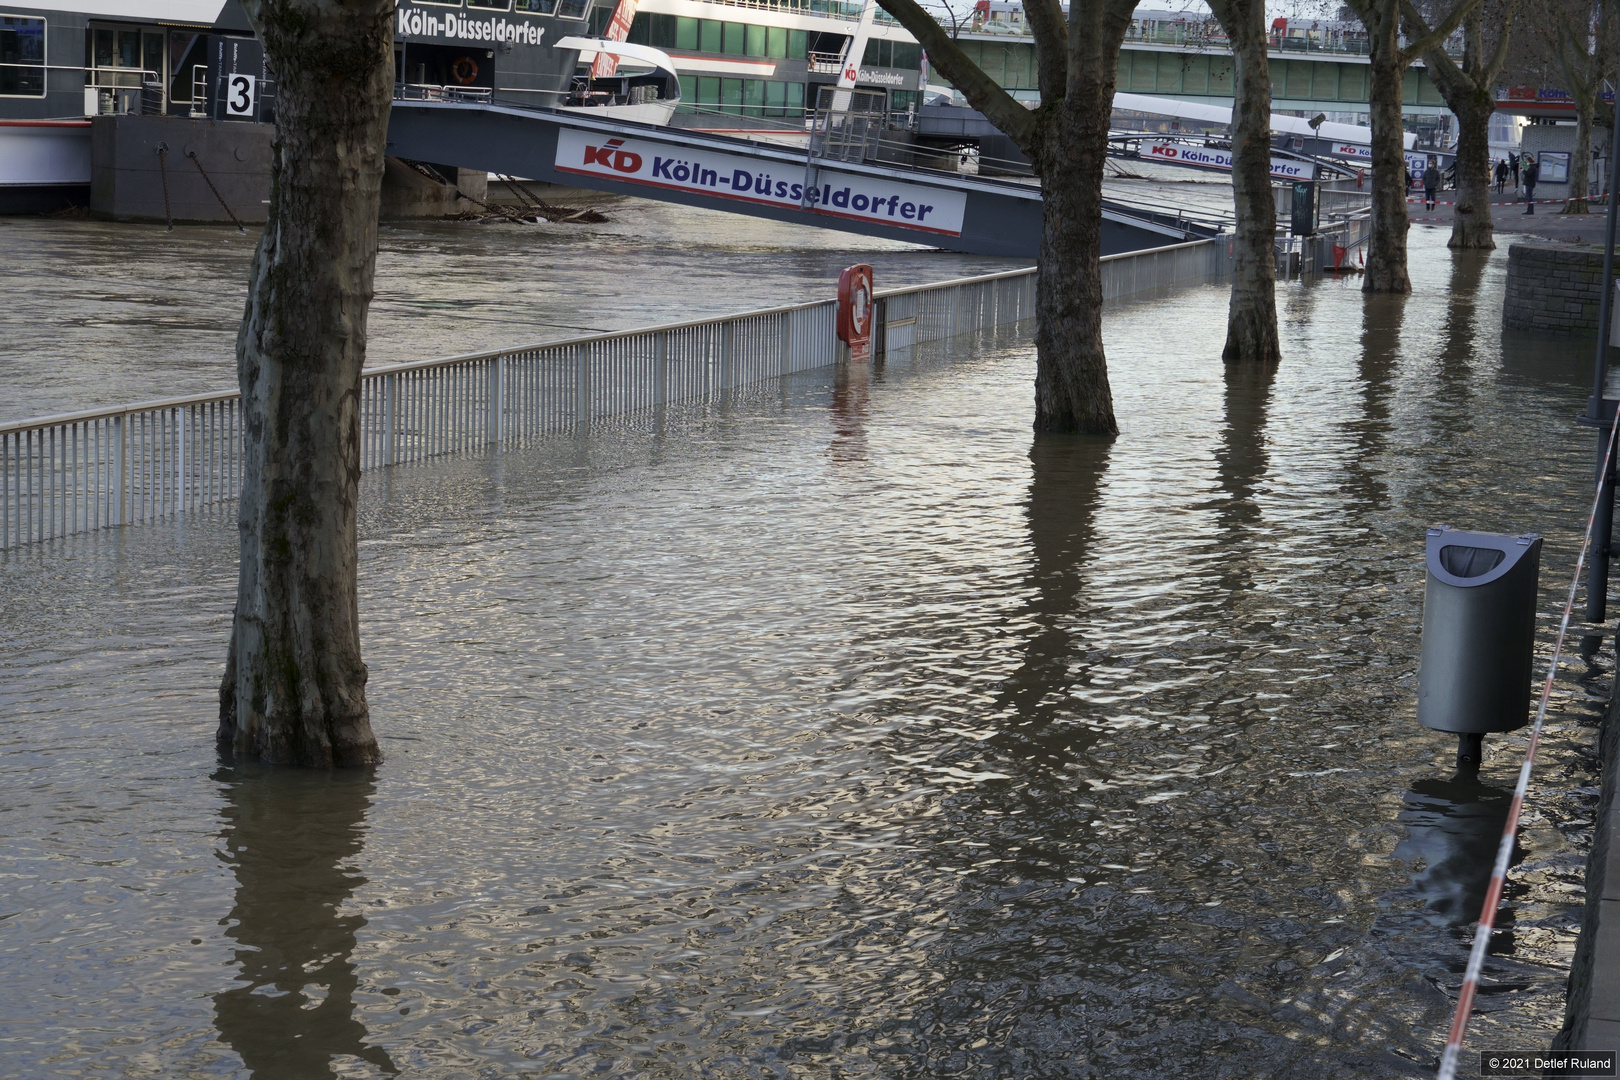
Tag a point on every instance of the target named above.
point(1504, 852)
point(192, 154)
point(163, 171)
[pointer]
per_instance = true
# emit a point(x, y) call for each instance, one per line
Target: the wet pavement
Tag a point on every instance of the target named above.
point(838, 729)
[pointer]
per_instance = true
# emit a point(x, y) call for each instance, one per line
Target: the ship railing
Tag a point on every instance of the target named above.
point(162, 460)
point(481, 95)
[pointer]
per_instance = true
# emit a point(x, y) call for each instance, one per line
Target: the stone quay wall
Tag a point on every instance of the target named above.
point(1553, 288)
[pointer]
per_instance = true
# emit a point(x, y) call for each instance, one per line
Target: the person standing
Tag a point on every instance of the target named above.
point(1501, 176)
point(1431, 184)
point(1513, 163)
point(1532, 173)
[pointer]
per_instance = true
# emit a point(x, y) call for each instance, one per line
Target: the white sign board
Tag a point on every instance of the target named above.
point(1211, 158)
point(925, 209)
point(241, 94)
point(1362, 155)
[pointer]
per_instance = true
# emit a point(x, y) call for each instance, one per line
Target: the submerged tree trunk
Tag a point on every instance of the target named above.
point(1471, 225)
point(1071, 370)
point(1386, 249)
point(294, 686)
point(1251, 319)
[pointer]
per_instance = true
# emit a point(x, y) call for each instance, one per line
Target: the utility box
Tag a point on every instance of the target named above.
point(1479, 628)
point(1304, 208)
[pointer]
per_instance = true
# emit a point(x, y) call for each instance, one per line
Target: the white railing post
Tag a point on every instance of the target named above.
point(495, 423)
point(582, 386)
point(661, 368)
point(181, 484)
point(120, 484)
point(390, 416)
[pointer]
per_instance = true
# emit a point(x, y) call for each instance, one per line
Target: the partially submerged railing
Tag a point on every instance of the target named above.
point(83, 471)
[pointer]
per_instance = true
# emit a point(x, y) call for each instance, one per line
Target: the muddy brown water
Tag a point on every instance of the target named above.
point(839, 728)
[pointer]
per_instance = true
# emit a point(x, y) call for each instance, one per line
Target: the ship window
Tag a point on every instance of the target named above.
point(902, 100)
point(640, 30)
point(490, 5)
point(754, 97)
point(128, 49)
point(907, 54)
point(736, 36)
point(572, 9)
point(537, 7)
point(152, 52)
point(686, 33)
point(600, 17)
point(22, 56)
point(731, 96)
point(756, 40)
point(688, 92)
point(798, 45)
point(776, 41)
point(708, 95)
point(186, 55)
point(709, 36)
point(795, 97)
point(103, 48)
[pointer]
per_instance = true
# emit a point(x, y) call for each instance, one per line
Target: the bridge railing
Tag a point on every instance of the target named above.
point(91, 470)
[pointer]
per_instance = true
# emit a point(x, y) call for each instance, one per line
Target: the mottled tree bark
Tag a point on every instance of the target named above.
point(1470, 92)
point(1251, 318)
point(1077, 61)
point(294, 686)
point(1581, 159)
point(1387, 64)
point(1386, 247)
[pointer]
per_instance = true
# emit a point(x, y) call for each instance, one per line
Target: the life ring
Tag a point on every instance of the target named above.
point(464, 70)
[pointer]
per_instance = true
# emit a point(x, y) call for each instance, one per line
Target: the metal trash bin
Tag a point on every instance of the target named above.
point(1479, 627)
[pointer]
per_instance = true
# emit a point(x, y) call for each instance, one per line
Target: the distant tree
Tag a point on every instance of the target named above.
point(1389, 55)
point(294, 690)
point(1470, 92)
point(1251, 319)
point(1574, 41)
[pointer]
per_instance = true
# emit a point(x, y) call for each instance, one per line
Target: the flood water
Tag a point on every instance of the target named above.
point(840, 729)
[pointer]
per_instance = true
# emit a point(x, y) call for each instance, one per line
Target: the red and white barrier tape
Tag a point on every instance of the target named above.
point(1504, 852)
point(1515, 202)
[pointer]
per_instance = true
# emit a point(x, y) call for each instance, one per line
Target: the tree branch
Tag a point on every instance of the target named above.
point(1051, 35)
point(1436, 37)
point(982, 92)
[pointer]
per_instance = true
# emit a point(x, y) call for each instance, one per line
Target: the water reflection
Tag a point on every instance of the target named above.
point(851, 402)
point(1064, 487)
point(1459, 345)
point(1453, 828)
point(1377, 367)
point(289, 837)
point(1240, 466)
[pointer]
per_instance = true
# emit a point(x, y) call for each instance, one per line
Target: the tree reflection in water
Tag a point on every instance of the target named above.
point(290, 837)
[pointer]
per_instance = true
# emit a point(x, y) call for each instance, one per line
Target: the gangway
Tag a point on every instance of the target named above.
point(976, 215)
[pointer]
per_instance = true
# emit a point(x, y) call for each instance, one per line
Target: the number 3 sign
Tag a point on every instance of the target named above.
point(241, 95)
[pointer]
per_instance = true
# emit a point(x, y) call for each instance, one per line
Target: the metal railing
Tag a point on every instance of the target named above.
point(80, 472)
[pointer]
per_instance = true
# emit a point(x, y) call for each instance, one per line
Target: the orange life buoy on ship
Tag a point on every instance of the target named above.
point(464, 70)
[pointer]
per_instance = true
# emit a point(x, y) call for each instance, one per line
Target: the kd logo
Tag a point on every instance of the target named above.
point(611, 156)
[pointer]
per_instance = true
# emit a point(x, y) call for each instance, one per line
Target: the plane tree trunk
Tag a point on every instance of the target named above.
point(1470, 92)
point(294, 686)
point(1388, 60)
point(1386, 248)
point(1066, 138)
point(1251, 319)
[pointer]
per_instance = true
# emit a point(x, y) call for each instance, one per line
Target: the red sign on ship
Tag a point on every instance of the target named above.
point(855, 311)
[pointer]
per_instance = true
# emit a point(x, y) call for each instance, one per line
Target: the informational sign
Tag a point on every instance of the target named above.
point(1362, 155)
point(922, 208)
point(1554, 167)
point(1213, 158)
point(241, 94)
point(455, 26)
point(855, 310)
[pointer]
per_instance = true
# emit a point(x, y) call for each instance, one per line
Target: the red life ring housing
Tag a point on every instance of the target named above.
point(464, 70)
